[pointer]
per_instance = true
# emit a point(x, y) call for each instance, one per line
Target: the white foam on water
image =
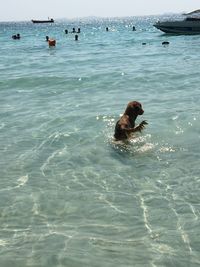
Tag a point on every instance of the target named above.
point(22, 180)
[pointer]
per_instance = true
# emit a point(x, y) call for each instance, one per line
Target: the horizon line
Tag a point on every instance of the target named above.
point(98, 17)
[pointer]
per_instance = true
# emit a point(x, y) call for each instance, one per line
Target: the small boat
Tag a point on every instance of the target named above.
point(43, 21)
point(189, 25)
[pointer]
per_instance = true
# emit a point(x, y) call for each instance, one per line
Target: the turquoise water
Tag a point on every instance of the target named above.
point(71, 196)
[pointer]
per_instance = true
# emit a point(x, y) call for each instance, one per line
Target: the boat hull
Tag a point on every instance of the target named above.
point(43, 21)
point(179, 27)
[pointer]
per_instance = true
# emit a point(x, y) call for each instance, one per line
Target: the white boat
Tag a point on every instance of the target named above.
point(189, 25)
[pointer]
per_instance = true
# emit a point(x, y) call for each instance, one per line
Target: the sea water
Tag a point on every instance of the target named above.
point(69, 194)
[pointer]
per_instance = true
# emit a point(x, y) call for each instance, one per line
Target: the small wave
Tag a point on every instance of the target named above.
point(164, 149)
point(146, 147)
point(22, 180)
point(135, 145)
point(2, 125)
point(3, 243)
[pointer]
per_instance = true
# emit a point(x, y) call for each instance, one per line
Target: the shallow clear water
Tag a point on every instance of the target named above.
point(70, 195)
